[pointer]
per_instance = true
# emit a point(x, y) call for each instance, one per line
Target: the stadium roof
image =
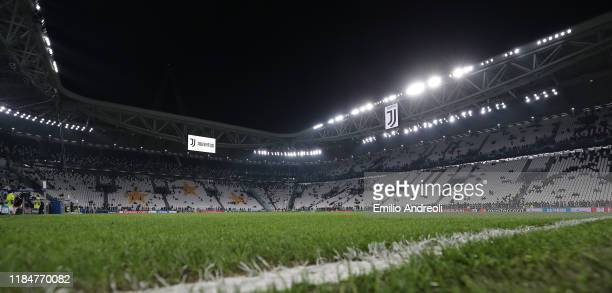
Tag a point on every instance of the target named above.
point(492, 80)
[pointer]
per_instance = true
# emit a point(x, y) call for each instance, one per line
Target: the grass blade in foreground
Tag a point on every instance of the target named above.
point(379, 258)
point(569, 259)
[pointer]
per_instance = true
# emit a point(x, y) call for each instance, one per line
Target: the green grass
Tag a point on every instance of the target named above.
point(101, 248)
point(570, 259)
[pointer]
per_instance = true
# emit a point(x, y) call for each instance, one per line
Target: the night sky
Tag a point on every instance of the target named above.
point(281, 66)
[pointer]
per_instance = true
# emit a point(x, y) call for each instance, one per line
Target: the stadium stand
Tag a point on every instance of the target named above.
point(114, 179)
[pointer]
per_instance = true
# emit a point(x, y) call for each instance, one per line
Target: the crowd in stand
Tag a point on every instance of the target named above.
point(112, 179)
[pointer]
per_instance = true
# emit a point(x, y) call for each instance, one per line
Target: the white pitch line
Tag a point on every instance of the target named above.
point(356, 262)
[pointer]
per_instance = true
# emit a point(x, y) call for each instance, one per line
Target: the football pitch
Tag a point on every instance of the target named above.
point(127, 252)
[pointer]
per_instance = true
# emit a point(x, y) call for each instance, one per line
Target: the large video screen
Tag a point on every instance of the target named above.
point(201, 144)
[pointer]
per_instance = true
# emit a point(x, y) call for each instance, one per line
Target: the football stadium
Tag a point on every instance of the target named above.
point(488, 174)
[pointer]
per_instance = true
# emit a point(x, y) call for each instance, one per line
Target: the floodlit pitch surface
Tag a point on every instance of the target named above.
point(124, 252)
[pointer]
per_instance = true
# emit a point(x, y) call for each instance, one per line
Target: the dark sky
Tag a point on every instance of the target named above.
point(281, 66)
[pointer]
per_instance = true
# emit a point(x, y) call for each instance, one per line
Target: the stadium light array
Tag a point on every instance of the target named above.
point(46, 40)
point(450, 119)
point(317, 126)
point(486, 62)
point(48, 122)
point(459, 72)
point(541, 95)
point(554, 37)
point(368, 139)
point(419, 87)
point(338, 118)
point(484, 110)
point(362, 109)
point(500, 106)
point(289, 154)
point(513, 52)
point(354, 112)
point(413, 89)
point(390, 134)
point(390, 98)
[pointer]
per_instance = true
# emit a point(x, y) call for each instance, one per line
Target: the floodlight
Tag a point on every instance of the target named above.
point(415, 89)
point(434, 81)
point(390, 98)
point(460, 71)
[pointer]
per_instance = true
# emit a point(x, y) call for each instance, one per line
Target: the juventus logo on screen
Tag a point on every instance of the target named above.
point(391, 116)
point(201, 144)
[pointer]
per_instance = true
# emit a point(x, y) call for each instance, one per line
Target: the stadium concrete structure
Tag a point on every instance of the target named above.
point(540, 107)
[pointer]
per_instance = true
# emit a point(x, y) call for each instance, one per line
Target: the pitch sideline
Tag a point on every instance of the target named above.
point(355, 262)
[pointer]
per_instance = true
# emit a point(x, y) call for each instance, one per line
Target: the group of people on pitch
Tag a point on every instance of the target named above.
point(12, 203)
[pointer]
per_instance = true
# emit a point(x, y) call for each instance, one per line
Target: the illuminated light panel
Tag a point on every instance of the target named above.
point(415, 89)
